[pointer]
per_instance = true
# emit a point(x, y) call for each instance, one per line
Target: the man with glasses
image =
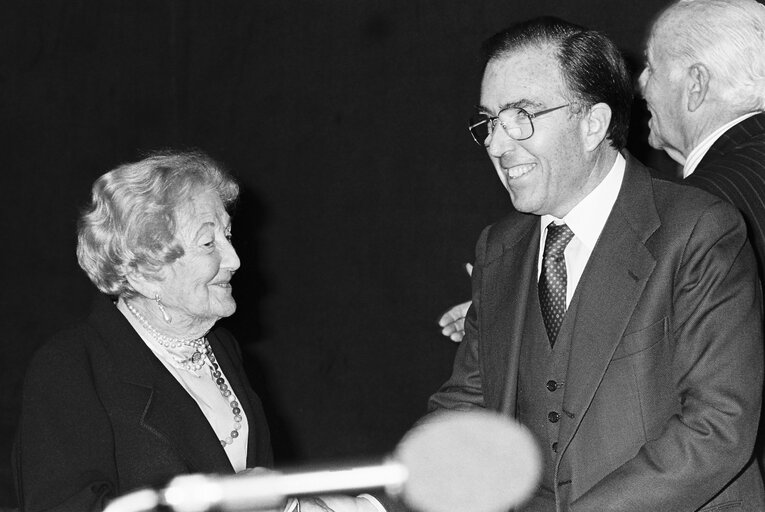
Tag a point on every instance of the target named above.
point(615, 315)
point(713, 49)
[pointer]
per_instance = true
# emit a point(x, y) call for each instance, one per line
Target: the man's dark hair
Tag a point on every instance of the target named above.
point(591, 64)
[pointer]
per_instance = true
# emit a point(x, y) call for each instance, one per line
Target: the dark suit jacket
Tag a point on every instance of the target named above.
point(664, 379)
point(734, 169)
point(102, 416)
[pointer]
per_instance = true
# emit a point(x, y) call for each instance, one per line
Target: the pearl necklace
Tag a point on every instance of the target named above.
point(202, 355)
point(192, 363)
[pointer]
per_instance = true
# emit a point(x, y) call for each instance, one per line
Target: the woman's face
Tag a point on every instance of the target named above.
point(196, 288)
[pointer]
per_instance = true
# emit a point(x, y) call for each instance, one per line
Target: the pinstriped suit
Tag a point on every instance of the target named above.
point(734, 169)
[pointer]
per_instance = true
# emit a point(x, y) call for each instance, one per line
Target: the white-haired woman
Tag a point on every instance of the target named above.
point(147, 387)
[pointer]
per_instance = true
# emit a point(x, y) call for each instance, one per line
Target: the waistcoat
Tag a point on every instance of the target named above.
point(541, 384)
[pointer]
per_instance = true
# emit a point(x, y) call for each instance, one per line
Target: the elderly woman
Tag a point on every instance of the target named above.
point(147, 387)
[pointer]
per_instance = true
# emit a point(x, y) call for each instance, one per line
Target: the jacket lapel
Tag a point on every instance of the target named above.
point(503, 311)
point(159, 402)
point(171, 413)
point(609, 290)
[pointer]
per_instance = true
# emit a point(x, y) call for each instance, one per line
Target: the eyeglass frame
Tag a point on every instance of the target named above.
point(494, 119)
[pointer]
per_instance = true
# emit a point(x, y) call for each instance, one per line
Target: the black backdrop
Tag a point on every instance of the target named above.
point(362, 192)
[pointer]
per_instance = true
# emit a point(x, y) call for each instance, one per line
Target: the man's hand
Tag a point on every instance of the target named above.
point(453, 321)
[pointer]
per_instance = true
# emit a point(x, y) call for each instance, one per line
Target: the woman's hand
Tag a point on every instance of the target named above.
point(336, 503)
point(328, 503)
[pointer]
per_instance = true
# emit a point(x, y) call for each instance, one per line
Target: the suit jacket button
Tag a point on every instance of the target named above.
point(555, 447)
point(552, 385)
point(553, 417)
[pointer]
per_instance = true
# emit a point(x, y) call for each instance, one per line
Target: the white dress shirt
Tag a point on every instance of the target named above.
point(586, 221)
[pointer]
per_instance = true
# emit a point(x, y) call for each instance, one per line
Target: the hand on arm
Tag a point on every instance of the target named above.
point(453, 321)
point(464, 389)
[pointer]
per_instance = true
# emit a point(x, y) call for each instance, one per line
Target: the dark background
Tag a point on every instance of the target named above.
point(362, 192)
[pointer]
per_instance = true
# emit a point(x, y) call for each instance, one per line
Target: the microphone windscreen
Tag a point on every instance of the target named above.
point(470, 460)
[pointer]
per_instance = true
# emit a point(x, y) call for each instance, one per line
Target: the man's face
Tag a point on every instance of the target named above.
point(663, 95)
point(548, 173)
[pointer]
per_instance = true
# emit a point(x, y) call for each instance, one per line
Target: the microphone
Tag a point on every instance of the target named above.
point(469, 460)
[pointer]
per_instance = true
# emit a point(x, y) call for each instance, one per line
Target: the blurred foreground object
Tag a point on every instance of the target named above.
point(477, 461)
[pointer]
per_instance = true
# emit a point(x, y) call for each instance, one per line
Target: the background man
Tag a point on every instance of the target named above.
point(704, 83)
point(640, 374)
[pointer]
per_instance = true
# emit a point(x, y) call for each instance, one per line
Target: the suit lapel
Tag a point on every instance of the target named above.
point(504, 308)
point(171, 413)
point(160, 403)
point(609, 290)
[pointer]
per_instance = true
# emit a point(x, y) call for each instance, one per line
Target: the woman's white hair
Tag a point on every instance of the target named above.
point(131, 221)
point(728, 38)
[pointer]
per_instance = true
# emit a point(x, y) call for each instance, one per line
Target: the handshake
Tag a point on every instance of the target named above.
point(475, 460)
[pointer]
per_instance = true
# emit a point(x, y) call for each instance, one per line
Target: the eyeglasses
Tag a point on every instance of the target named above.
point(515, 121)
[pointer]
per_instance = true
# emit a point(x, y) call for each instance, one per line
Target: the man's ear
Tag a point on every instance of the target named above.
point(697, 86)
point(595, 125)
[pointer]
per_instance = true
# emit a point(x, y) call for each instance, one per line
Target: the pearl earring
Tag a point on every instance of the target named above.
point(161, 307)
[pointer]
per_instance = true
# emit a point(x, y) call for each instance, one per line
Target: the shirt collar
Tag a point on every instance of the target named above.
point(697, 153)
point(587, 218)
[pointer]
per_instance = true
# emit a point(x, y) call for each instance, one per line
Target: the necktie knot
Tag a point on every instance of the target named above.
point(558, 237)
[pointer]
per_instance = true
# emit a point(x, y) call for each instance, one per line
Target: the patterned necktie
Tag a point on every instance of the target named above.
point(552, 280)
